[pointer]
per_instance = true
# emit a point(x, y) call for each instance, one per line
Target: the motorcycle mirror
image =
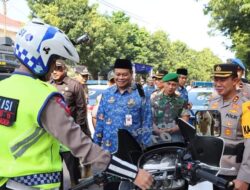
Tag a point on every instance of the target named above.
point(208, 123)
point(81, 40)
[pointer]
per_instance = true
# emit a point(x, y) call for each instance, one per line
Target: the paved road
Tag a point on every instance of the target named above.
point(203, 186)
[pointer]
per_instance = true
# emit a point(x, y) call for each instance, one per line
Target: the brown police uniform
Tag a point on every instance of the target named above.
point(235, 130)
point(74, 97)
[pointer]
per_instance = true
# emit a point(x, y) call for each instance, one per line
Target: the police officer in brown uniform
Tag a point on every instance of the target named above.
point(158, 82)
point(74, 96)
point(235, 128)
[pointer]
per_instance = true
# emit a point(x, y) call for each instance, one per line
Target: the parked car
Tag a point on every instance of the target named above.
point(95, 89)
point(200, 95)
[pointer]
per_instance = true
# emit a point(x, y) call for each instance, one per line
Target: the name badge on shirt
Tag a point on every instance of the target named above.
point(8, 111)
point(128, 120)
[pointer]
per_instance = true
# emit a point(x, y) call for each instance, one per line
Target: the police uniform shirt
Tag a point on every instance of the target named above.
point(74, 97)
point(127, 111)
point(231, 132)
point(246, 90)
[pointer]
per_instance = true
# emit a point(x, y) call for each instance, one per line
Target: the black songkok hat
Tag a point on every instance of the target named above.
point(225, 70)
point(123, 64)
point(182, 71)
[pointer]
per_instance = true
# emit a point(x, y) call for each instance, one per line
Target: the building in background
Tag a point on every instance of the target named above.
point(10, 25)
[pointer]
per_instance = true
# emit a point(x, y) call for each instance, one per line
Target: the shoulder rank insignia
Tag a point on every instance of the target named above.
point(236, 98)
point(111, 100)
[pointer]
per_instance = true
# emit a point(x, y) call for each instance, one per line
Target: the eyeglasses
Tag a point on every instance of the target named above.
point(58, 68)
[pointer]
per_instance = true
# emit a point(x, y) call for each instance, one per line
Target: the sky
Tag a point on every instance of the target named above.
point(181, 19)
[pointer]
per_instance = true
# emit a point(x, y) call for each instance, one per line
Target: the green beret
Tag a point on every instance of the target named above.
point(170, 77)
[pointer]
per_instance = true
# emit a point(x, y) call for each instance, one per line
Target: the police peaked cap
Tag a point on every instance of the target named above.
point(170, 77)
point(182, 71)
point(160, 74)
point(123, 64)
point(225, 70)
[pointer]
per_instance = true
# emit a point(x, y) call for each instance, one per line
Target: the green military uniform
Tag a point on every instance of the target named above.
point(165, 110)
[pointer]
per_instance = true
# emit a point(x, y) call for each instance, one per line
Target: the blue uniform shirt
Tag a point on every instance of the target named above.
point(115, 111)
point(148, 90)
point(183, 93)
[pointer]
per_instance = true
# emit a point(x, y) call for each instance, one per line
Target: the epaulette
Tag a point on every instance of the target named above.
point(236, 98)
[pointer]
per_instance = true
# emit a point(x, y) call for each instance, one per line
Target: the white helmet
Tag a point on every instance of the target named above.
point(36, 43)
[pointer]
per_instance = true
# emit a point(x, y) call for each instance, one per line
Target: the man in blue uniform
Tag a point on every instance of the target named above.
point(182, 79)
point(122, 107)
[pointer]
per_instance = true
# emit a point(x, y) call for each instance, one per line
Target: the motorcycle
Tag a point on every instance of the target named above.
point(173, 166)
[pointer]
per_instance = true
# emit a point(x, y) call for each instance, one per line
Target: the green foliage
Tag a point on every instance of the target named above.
point(114, 36)
point(232, 18)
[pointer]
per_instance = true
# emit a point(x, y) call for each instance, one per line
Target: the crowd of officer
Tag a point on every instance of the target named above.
point(43, 116)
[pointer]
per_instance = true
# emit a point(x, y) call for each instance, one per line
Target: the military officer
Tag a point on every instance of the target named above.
point(235, 114)
point(166, 107)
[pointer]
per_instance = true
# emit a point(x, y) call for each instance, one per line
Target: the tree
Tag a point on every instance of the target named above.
point(232, 18)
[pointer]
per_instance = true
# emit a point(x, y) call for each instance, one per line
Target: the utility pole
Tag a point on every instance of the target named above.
point(4, 13)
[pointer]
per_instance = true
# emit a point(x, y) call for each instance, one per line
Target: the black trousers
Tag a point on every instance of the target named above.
point(228, 178)
point(72, 164)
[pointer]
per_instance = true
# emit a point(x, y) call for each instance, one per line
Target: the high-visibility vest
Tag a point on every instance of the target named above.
point(28, 154)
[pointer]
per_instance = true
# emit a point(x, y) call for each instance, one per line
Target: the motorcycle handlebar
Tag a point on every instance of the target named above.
point(220, 182)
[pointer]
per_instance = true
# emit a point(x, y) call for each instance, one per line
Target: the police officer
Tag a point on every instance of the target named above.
point(74, 97)
point(235, 129)
point(34, 118)
point(83, 76)
point(241, 71)
point(158, 82)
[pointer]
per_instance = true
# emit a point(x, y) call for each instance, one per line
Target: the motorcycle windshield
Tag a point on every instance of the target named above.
point(128, 148)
